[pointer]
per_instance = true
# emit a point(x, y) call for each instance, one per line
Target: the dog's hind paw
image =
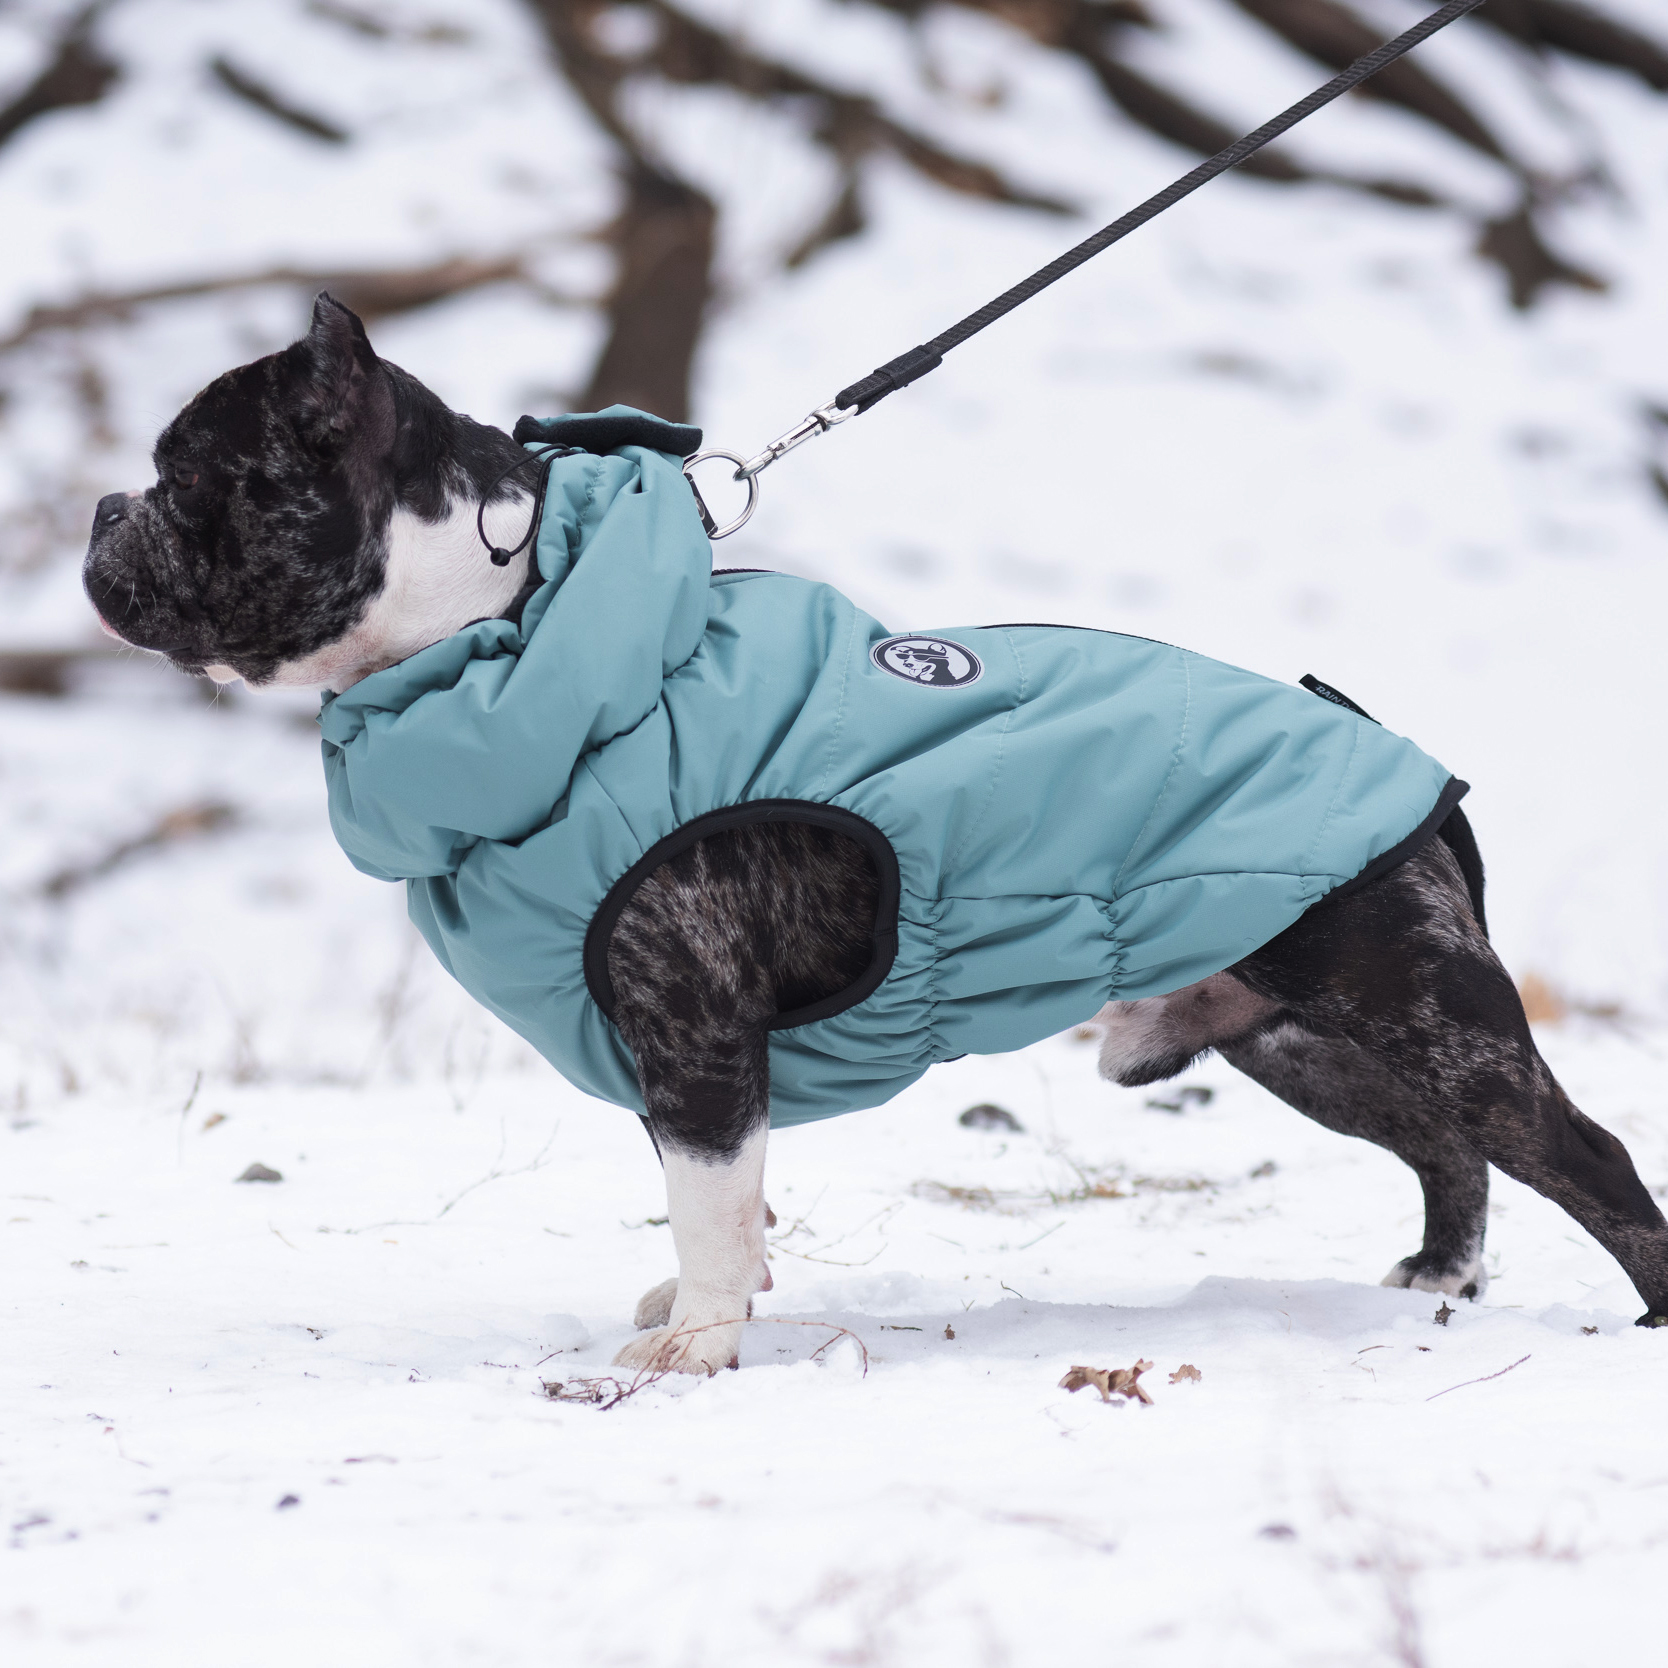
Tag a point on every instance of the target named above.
point(686, 1349)
point(654, 1307)
point(1417, 1274)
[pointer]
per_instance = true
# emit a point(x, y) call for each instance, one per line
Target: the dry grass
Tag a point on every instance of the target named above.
point(1091, 1183)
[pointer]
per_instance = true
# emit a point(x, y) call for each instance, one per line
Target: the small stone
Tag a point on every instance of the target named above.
point(1277, 1532)
point(1191, 1094)
point(288, 1501)
point(987, 1116)
point(1266, 1168)
point(261, 1172)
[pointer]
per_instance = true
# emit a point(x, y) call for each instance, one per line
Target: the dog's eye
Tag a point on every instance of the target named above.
point(185, 477)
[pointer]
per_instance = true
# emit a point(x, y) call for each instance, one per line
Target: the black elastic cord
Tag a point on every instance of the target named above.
point(900, 372)
point(501, 558)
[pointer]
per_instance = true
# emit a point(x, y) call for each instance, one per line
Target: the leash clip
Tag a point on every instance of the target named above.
point(817, 422)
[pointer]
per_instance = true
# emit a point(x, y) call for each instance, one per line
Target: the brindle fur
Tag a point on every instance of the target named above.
point(713, 945)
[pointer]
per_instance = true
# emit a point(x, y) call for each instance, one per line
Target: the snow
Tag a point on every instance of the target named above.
point(370, 1336)
point(1293, 429)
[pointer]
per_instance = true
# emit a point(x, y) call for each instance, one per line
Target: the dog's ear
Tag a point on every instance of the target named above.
point(344, 395)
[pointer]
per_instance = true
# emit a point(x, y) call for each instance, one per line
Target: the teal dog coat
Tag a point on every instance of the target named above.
point(1059, 817)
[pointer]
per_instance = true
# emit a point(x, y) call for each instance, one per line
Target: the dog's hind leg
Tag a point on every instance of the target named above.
point(1402, 970)
point(1332, 1082)
point(1336, 1084)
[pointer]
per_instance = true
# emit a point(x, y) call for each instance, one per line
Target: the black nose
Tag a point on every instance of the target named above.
point(112, 507)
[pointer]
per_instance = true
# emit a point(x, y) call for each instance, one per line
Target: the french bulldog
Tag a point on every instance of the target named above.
point(320, 515)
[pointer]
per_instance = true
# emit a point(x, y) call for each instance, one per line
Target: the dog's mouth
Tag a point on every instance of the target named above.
point(135, 636)
point(129, 611)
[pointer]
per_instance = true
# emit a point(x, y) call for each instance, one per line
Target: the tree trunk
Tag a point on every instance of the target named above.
point(663, 243)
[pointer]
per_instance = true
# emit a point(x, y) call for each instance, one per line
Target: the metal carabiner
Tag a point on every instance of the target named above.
point(818, 422)
point(714, 531)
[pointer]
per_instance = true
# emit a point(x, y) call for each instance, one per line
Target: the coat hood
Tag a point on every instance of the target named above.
point(414, 754)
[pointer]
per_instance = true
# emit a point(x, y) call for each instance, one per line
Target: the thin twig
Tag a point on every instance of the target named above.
point(185, 1112)
point(882, 1216)
point(1040, 1237)
point(1483, 1380)
point(492, 1175)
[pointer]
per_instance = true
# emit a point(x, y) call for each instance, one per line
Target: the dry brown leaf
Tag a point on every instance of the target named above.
point(212, 1119)
point(1186, 1374)
point(1443, 1314)
point(949, 1331)
point(1111, 1381)
point(1543, 1002)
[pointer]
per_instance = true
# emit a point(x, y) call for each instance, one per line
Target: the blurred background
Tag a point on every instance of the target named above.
point(1389, 405)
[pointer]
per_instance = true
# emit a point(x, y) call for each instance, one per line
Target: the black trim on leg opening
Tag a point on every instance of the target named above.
point(879, 848)
point(1454, 790)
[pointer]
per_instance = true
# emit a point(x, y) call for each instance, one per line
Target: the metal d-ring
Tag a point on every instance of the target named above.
point(714, 531)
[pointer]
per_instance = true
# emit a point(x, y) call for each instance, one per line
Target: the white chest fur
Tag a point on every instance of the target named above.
point(439, 577)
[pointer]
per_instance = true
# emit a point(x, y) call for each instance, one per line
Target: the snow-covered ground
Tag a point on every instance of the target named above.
point(1290, 428)
point(303, 1421)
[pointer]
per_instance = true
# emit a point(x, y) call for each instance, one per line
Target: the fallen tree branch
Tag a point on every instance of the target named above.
point(241, 85)
point(371, 292)
point(46, 671)
point(77, 74)
point(1581, 31)
point(690, 53)
point(184, 823)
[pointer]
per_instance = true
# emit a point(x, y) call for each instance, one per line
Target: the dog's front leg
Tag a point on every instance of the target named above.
point(717, 1210)
point(705, 1074)
point(700, 959)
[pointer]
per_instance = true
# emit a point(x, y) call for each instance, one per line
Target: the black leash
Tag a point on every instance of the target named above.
point(898, 373)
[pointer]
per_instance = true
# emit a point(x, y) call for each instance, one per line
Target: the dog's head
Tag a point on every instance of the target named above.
point(261, 540)
point(284, 491)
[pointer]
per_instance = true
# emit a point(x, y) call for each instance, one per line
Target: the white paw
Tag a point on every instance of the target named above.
point(1469, 1280)
point(690, 1350)
point(654, 1307)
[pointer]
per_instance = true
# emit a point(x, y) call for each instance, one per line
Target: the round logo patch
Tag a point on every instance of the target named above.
point(934, 661)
